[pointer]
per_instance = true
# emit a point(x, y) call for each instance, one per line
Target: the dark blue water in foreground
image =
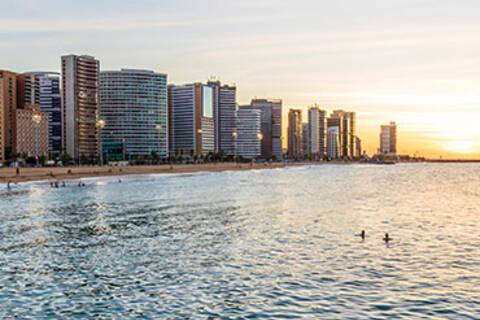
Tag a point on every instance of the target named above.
point(273, 244)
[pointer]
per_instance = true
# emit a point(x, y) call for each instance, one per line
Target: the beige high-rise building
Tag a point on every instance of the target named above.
point(80, 107)
point(295, 134)
point(32, 132)
point(388, 139)
point(317, 141)
point(8, 107)
point(346, 123)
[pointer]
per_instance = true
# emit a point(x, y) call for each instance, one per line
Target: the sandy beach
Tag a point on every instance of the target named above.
point(63, 173)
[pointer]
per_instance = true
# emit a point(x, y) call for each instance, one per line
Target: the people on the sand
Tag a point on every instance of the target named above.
point(362, 235)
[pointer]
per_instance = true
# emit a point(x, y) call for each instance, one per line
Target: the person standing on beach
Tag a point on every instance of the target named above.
point(18, 171)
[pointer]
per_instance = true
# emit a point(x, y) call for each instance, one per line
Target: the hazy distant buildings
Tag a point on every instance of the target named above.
point(333, 142)
point(8, 107)
point(295, 132)
point(271, 111)
point(358, 147)
point(32, 132)
point(388, 139)
point(224, 108)
point(248, 135)
point(133, 108)
point(305, 139)
point(191, 120)
point(346, 123)
point(80, 84)
point(317, 144)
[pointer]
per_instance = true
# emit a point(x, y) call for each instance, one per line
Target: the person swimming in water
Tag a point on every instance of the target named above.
point(387, 238)
point(361, 235)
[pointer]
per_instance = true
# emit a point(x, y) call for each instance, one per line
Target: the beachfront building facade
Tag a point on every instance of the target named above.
point(133, 111)
point(248, 134)
point(346, 123)
point(295, 134)
point(80, 107)
point(8, 108)
point(271, 111)
point(333, 142)
point(358, 148)
point(305, 139)
point(317, 142)
point(32, 132)
point(50, 102)
point(388, 139)
point(191, 120)
point(42, 90)
point(224, 110)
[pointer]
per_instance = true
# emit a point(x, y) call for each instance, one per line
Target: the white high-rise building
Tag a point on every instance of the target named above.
point(388, 139)
point(133, 105)
point(333, 143)
point(248, 134)
point(317, 142)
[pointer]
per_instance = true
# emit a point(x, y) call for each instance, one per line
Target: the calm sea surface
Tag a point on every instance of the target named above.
point(271, 244)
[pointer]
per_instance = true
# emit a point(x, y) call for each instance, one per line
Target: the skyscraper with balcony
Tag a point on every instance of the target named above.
point(8, 114)
point(295, 134)
point(191, 119)
point(224, 109)
point(388, 139)
point(133, 107)
point(271, 111)
point(80, 107)
point(317, 123)
point(248, 134)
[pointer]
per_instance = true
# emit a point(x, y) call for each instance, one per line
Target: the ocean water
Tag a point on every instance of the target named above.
point(266, 244)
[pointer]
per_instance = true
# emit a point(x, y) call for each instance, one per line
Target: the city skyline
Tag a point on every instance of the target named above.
point(412, 62)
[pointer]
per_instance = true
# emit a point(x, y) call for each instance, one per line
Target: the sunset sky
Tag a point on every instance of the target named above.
point(416, 62)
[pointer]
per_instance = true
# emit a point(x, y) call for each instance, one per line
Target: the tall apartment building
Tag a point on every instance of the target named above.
point(133, 107)
point(42, 90)
point(28, 90)
point(191, 119)
point(271, 110)
point(8, 107)
point(358, 147)
point(388, 139)
point(248, 134)
point(80, 107)
point(317, 122)
point(333, 142)
point(224, 109)
point(346, 123)
point(32, 131)
point(51, 104)
point(305, 139)
point(295, 132)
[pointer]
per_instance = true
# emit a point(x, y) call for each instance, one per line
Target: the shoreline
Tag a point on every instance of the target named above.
point(75, 173)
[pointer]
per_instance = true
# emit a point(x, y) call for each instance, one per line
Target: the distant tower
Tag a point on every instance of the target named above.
point(388, 139)
point(295, 134)
point(317, 142)
point(333, 142)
